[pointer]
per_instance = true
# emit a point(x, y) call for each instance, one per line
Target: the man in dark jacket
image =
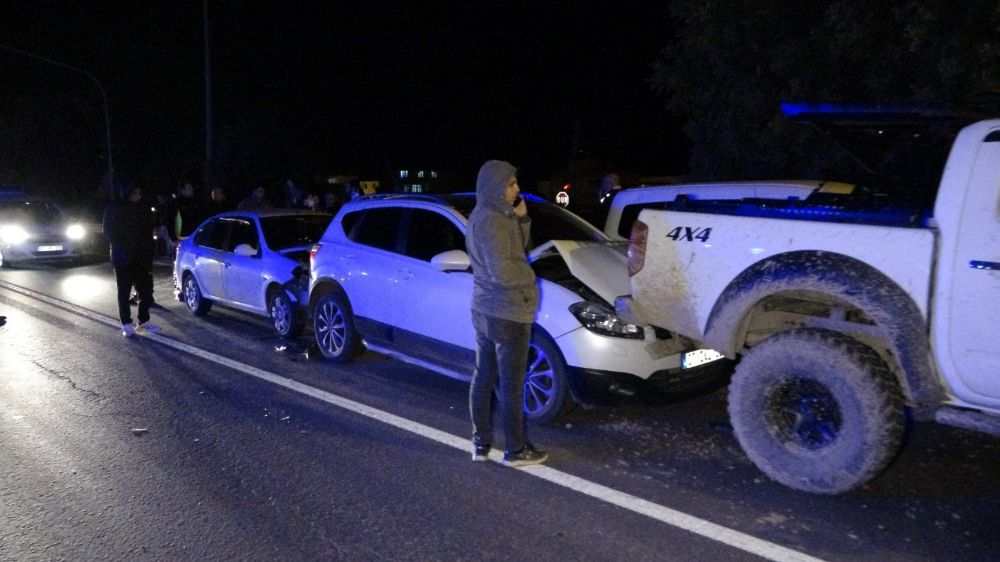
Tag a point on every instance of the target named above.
point(128, 226)
point(504, 301)
point(189, 211)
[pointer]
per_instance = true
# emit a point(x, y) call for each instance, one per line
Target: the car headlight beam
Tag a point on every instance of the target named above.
point(601, 319)
point(75, 232)
point(13, 234)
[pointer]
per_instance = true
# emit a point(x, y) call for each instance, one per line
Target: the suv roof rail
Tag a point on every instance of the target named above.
point(430, 198)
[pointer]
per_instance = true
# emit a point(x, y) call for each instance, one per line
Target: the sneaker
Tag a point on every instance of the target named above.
point(147, 328)
point(526, 456)
point(480, 451)
point(127, 330)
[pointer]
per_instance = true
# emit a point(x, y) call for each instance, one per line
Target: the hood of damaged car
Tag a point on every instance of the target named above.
point(602, 267)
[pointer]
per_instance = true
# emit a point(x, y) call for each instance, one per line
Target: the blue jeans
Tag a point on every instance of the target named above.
point(501, 352)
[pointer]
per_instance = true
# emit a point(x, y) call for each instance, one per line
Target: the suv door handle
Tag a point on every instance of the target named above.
point(405, 274)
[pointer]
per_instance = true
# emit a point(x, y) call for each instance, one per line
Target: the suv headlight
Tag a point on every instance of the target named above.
point(601, 319)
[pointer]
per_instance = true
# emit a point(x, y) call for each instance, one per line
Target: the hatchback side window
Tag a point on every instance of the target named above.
point(213, 235)
point(244, 232)
point(379, 228)
point(430, 234)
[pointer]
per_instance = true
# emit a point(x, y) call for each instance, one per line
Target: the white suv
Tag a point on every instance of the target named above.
point(391, 272)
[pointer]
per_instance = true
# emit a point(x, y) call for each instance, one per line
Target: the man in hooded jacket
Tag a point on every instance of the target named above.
point(504, 301)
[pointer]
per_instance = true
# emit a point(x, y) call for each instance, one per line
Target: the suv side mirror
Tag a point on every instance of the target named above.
point(452, 260)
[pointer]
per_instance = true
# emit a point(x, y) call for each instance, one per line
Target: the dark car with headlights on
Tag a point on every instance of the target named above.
point(34, 229)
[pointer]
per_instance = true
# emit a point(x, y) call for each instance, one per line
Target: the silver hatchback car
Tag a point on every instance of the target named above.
point(255, 261)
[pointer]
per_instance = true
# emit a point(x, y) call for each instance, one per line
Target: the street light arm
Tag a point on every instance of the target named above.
point(104, 99)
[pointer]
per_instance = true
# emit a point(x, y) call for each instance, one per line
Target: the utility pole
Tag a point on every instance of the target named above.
point(209, 168)
point(104, 99)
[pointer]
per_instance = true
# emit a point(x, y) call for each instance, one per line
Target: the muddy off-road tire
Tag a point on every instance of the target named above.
point(816, 410)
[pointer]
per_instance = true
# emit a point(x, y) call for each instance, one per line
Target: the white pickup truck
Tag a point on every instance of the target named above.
point(846, 313)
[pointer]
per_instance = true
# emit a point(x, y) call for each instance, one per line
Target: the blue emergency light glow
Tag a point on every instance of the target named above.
point(885, 110)
point(799, 108)
point(804, 210)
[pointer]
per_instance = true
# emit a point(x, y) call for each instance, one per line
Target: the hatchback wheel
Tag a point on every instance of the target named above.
point(284, 316)
point(333, 324)
point(195, 301)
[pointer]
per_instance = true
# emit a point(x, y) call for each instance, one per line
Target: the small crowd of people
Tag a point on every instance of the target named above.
point(131, 220)
point(178, 213)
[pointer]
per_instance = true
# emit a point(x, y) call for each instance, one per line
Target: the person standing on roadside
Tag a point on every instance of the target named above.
point(504, 301)
point(257, 200)
point(610, 183)
point(190, 212)
point(128, 226)
point(217, 202)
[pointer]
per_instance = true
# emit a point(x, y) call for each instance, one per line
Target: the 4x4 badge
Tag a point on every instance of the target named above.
point(689, 234)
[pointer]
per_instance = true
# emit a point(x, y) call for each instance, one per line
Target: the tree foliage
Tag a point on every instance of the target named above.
point(732, 62)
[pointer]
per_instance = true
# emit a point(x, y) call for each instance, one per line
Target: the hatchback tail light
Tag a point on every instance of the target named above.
point(637, 247)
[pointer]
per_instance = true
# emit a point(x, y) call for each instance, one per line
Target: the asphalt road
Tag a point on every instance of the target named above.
point(217, 440)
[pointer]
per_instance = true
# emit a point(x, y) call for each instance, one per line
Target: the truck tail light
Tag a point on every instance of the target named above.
point(637, 247)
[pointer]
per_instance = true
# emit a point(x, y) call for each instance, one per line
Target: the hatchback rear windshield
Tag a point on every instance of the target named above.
point(293, 231)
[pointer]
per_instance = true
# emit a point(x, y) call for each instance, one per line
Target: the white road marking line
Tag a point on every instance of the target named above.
point(690, 523)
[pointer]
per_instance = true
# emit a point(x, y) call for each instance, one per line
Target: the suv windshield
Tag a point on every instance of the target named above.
point(548, 221)
point(552, 222)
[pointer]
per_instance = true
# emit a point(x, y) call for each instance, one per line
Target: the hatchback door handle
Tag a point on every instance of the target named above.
point(979, 264)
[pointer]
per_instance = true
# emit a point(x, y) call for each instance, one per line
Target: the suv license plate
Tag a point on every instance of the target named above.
point(692, 359)
point(56, 248)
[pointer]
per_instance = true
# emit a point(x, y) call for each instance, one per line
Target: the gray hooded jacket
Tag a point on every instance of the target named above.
point(505, 284)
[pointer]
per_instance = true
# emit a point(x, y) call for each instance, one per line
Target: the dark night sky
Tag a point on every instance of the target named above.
point(354, 86)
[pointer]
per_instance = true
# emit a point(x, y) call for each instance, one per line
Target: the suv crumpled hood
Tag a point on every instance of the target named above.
point(601, 267)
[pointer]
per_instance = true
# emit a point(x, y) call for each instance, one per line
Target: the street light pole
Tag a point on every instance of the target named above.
point(104, 99)
point(209, 165)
